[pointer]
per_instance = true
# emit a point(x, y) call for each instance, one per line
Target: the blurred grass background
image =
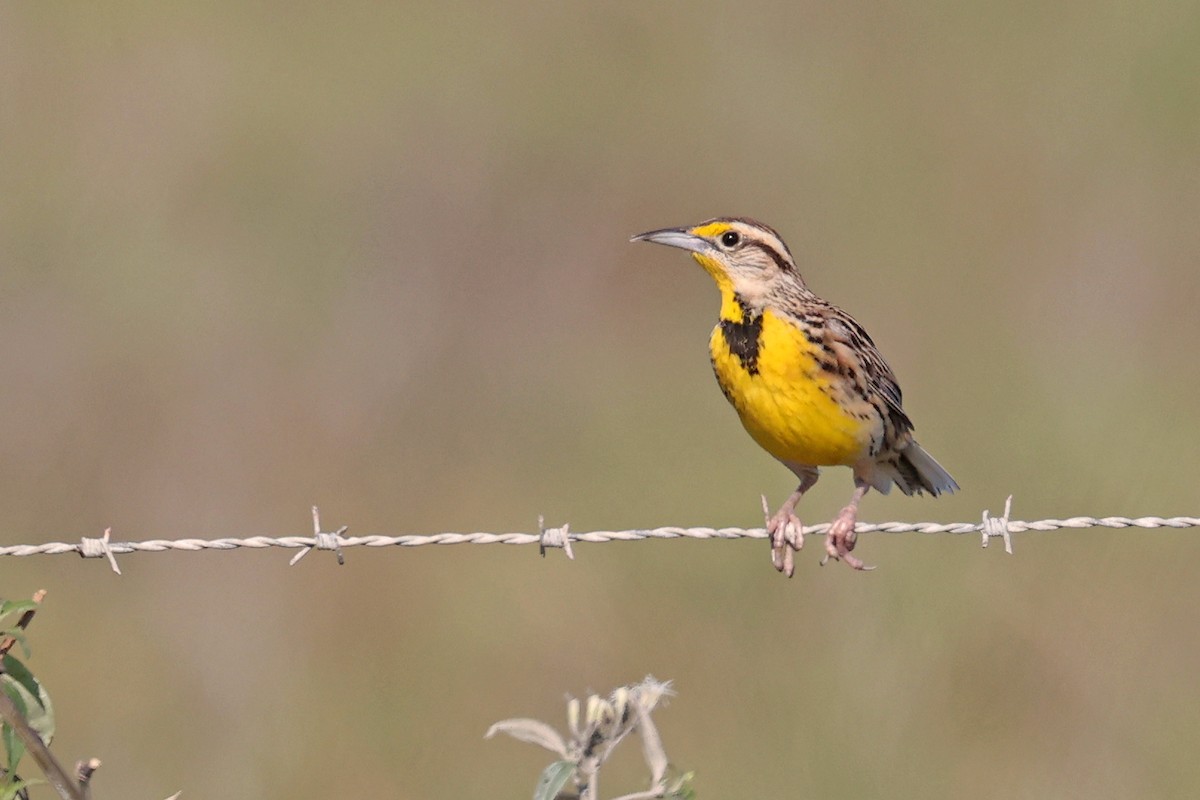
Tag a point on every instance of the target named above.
point(257, 256)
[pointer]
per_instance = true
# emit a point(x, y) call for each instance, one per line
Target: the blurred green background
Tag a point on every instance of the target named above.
point(256, 256)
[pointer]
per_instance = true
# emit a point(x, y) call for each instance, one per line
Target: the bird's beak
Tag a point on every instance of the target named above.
point(675, 237)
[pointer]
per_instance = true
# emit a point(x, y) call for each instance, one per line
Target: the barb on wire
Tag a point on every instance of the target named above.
point(998, 526)
point(323, 541)
point(94, 548)
point(562, 537)
point(554, 537)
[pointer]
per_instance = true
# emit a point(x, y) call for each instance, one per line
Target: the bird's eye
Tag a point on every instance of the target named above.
point(730, 238)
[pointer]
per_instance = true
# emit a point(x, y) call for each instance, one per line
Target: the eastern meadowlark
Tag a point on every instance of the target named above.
point(805, 378)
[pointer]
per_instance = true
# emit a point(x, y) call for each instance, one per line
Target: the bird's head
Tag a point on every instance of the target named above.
point(745, 257)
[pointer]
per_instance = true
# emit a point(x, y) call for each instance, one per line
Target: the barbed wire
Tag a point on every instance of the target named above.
point(562, 537)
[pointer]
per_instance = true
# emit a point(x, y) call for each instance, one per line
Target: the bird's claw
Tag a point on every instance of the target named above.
point(787, 536)
point(841, 538)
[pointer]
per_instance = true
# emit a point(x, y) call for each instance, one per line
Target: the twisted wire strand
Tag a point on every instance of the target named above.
point(560, 537)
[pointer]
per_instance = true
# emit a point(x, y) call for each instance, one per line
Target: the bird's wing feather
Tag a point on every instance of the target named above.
point(879, 378)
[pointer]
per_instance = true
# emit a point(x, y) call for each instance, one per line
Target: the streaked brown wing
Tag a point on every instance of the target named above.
point(876, 381)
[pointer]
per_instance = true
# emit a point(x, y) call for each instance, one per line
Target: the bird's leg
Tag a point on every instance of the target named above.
point(840, 539)
point(784, 527)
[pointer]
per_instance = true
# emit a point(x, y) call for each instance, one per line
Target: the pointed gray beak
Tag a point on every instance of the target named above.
point(675, 237)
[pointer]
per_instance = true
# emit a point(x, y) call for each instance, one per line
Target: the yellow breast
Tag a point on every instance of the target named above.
point(792, 408)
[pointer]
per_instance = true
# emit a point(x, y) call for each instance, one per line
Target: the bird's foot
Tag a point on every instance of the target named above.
point(841, 538)
point(787, 536)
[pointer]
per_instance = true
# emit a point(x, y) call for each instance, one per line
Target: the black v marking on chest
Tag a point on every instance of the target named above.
point(744, 337)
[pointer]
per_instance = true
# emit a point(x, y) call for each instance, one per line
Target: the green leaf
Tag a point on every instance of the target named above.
point(13, 690)
point(13, 789)
point(15, 607)
point(553, 779)
point(32, 700)
point(16, 670)
point(14, 748)
point(682, 789)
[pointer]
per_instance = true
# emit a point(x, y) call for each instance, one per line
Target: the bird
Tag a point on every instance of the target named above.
point(806, 380)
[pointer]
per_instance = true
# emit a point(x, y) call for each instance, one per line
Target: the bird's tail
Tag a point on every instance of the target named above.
point(917, 471)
